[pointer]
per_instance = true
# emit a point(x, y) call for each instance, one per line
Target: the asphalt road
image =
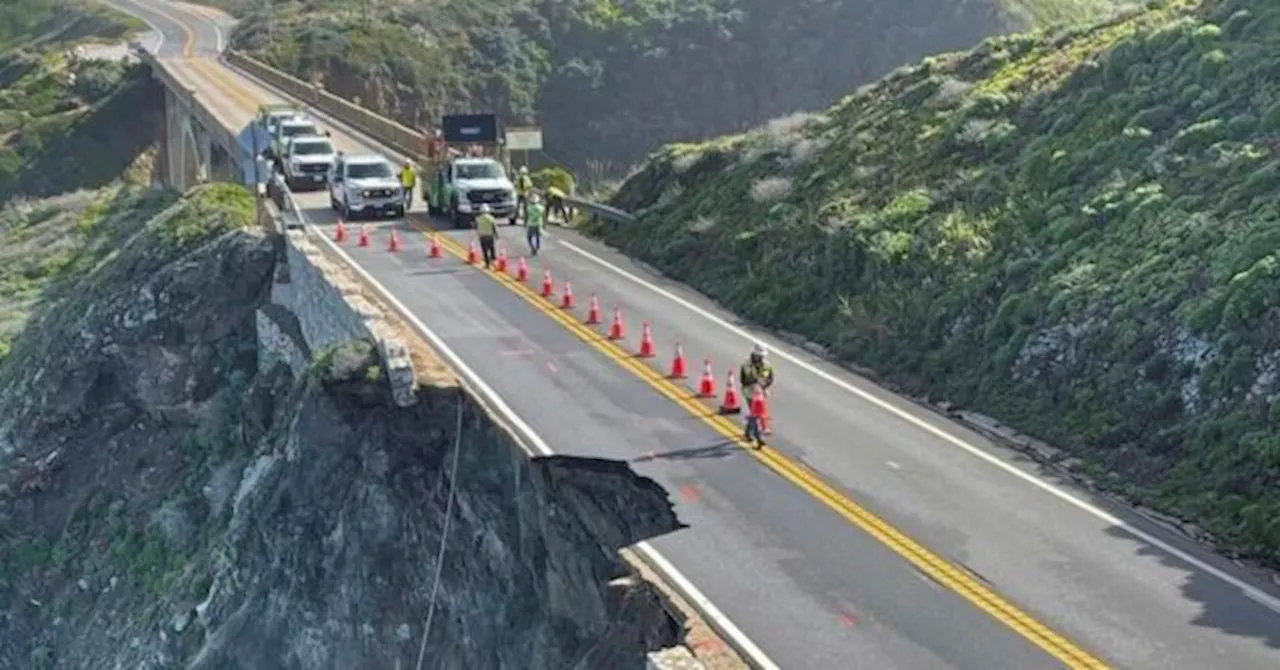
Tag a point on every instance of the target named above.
point(804, 582)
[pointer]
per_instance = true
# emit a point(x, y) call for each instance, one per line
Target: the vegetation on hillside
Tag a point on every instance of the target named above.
point(609, 80)
point(68, 124)
point(49, 23)
point(1075, 232)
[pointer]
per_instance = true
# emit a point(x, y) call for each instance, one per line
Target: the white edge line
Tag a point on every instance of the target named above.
point(1262, 597)
point(150, 24)
point(531, 442)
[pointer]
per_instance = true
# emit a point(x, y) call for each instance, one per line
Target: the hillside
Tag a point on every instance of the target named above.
point(29, 24)
point(62, 118)
point(1073, 232)
point(610, 80)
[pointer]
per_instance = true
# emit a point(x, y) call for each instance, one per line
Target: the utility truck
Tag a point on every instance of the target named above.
point(268, 117)
point(470, 166)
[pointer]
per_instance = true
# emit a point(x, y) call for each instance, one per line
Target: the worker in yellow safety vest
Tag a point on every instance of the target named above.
point(756, 372)
point(555, 203)
point(524, 187)
point(487, 231)
point(408, 179)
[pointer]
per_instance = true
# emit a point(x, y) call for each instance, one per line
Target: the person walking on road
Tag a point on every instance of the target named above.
point(524, 189)
point(534, 218)
point(487, 229)
point(408, 180)
point(756, 371)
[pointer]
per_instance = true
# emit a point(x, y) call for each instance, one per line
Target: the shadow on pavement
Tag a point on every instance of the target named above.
point(721, 449)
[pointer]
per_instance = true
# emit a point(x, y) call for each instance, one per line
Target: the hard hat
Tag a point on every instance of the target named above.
point(484, 209)
point(524, 169)
point(759, 350)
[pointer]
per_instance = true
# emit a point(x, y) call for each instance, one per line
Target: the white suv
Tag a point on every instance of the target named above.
point(365, 184)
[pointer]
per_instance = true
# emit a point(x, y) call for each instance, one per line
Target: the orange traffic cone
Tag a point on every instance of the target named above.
point(547, 288)
point(434, 251)
point(677, 364)
point(646, 341)
point(473, 256)
point(364, 235)
point(566, 297)
point(593, 313)
point(616, 330)
point(707, 384)
point(522, 271)
point(760, 411)
point(340, 233)
point(393, 244)
point(732, 403)
point(502, 259)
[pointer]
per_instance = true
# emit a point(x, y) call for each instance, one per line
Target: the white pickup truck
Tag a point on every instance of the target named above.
point(306, 161)
point(365, 184)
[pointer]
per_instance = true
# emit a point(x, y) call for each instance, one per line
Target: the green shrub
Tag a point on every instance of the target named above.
point(553, 176)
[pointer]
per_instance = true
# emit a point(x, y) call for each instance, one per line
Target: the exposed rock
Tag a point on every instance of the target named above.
point(193, 508)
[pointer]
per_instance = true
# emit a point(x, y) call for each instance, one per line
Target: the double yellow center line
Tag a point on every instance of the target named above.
point(801, 476)
point(932, 565)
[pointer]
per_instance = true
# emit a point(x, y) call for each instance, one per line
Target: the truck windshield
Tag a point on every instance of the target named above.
point(369, 171)
point(299, 129)
point(320, 148)
point(480, 171)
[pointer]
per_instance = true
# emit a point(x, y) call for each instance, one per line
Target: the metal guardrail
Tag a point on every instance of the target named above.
point(603, 211)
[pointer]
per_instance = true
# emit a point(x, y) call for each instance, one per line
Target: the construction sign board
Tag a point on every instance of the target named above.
point(469, 128)
point(524, 139)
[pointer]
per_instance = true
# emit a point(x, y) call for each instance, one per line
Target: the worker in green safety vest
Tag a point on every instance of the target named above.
point(535, 217)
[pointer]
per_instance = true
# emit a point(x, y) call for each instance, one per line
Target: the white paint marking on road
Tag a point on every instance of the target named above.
point(1258, 595)
point(150, 24)
point(894, 465)
point(534, 443)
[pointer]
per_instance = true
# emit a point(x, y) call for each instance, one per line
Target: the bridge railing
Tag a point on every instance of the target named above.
point(401, 138)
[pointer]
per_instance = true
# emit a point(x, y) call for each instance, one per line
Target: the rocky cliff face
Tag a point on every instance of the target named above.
point(165, 503)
